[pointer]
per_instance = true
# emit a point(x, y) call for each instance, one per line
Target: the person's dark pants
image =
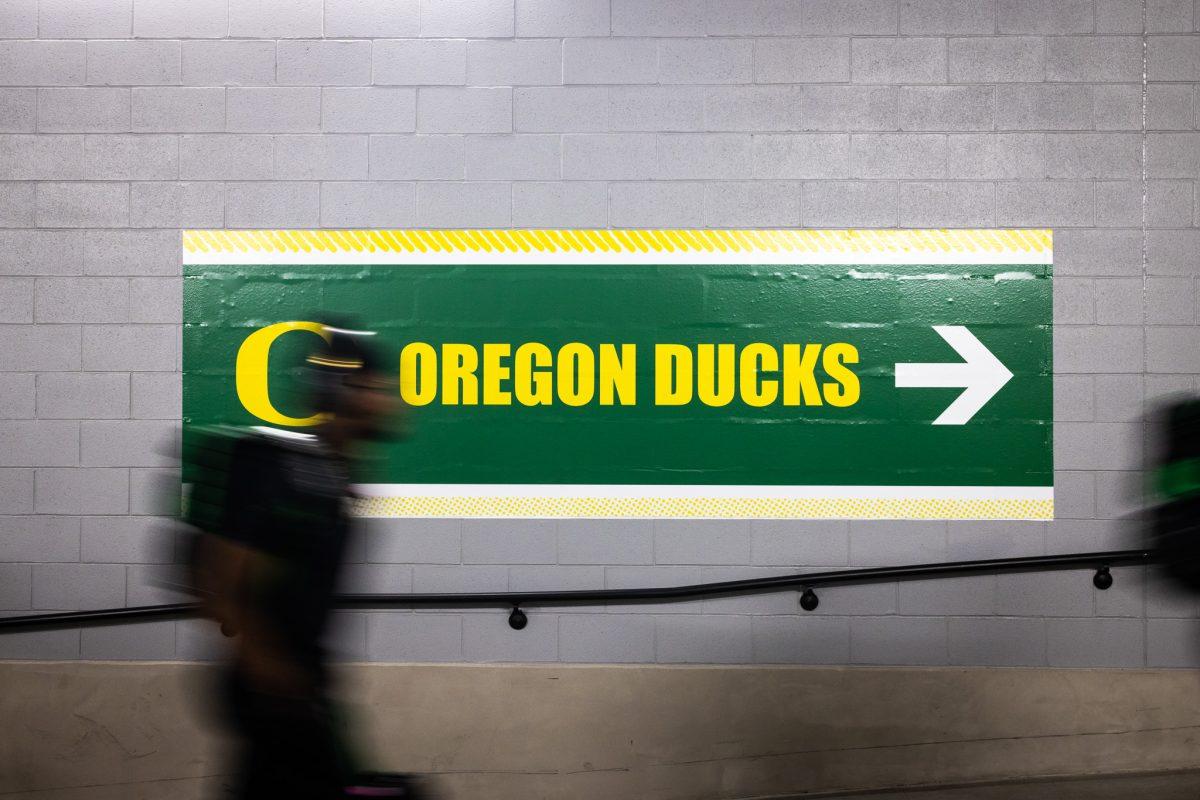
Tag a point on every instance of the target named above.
point(288, 746)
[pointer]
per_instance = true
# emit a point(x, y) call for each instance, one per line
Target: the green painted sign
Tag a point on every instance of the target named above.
point(609, 373)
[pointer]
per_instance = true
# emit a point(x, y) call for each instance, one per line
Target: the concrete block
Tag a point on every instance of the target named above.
point(464, 205)
point(156, 300)
point(403, 636)
point(224, 156)
point(880, 542)
point(155, 395)
point(509, 541)
point(417, 157)
point(1172, 252)
point(561, 18)
point(475, 110)
point(467, 18)
point(83, 19)
point(1093, 155)
point(1172, 349)
point(904, 60)
point(1074, 495)
point(178, 109)
point(1044, 107)
point(1170, 301)
point(131, 253)
point(709, 61)
point(801, 640)
point(1118, 16)
point(1118, 203)
point(129, 157)
point(368, 19)
point(273, 110)
point(116, 63)
point(18, 110)
point(752, 204)
point(753, 108)
point(704, 155)
point(552, 109)
point(998, 641)
point(487, 637)
point(412, 541)
point(1171, 643)
point(802, 155)
point(850, 203)
point(170, 19)
point(657, 18)
point(1169, 16)
point(82, 395)
point(276, 19)
point(128, 443)
point(542, 578)
point(16, 300)
point(376, 579)
point(323, 63)
point(945, 108)
point(605, 638)
point(982, 156)
point(15, 586)
point(946, 17)
point(84, 110)
point(656, 205)
point(1097, 253)
point(50, 645)
point(620, 156)
point(606, 542)
point(899, 155)
point(272, 205)
point(701, 542)
point(127, 540)
point(855, 17)
point(1117, 107)
point(457, 579)
point(808, 60)
point(132, 348)
point(82, 205)
point(638, 577)
point(750, 18)
point(688, 639)
point(368, 110)
point(228, 63)
point(39, 539)
point(42, 63)
point(140, 641)
point(177, 205)
point(154, 491)
point(1173, 58)
point(560, 204)
point(420, 62)
point(16, 205)
point(1049, 205)
point(514, 62)
point(42, 347)
point(1074, 398)
point(1118, 643)
point(519, 157)
point(621, 61)
point(1094, 59)
point(20, 20)
point(1169, 106)
point(947, 204)
point(78, 586)
point(1098, 445)
point(199, 640)
point(16, 490)
point(656, 108)
point(1126, 597)
point(144, 585)
point(1044, 16)
point(1118, 494)
point(325, 157)
point(969, 540)
point(372, 204)
point(899, 640)
point(968, 595)
point(17, 395)
point(1119, 301)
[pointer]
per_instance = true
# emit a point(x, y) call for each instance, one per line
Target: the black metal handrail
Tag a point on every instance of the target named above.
point(806, 583)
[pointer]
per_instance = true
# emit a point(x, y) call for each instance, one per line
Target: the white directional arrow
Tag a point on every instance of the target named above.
point(980, 375)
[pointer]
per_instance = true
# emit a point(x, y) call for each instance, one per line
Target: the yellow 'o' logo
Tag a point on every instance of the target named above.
point(251, 372)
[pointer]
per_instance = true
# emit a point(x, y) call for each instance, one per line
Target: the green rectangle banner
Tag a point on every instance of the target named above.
point(674, 373)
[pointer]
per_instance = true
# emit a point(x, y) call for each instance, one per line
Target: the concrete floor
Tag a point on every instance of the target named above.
point(1162, 786)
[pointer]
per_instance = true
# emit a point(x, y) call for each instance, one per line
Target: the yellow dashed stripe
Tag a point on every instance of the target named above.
point(619, 241)
point(700, 507)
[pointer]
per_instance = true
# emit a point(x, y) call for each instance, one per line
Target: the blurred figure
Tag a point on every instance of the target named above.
point(272, 505)
point(1174, 520)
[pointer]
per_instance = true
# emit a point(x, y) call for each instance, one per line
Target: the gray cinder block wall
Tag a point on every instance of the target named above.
point(125, 120)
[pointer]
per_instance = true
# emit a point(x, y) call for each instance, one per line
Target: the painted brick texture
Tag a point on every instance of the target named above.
point(122, 122)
